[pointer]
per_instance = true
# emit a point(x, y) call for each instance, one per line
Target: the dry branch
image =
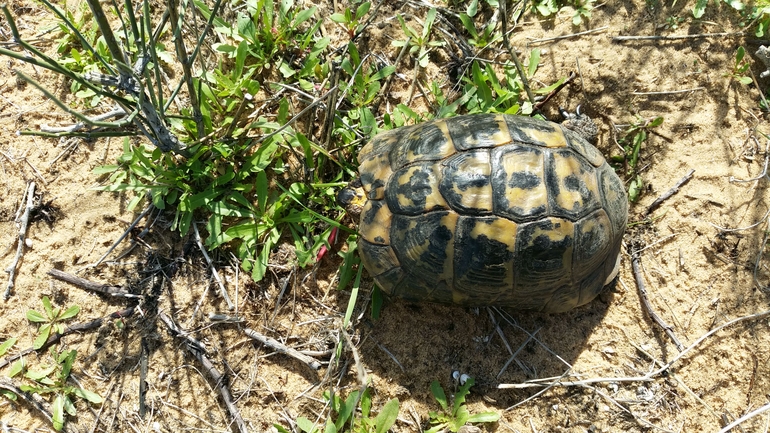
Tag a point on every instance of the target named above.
point(23, 223)
point(193, 346)
point(668, 193)
point(283, 349)
point(104, 289)
point(635, 259)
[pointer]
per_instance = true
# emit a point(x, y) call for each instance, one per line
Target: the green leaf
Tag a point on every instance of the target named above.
point(42, 336)
point(48, 308)
point(68, 406)
point(484, 417)
point(469, 26)
point(534, 60)
point(473, 8)
point(34, 316)
point(39, 375)
point(305, 424)
point(387, 416)
point(362, 10)
point(745, 80)
point(70, 313)
point(700, 8)
point(8, 394)
point(429, 18)
point(346, 409)
point(102, 169)
point(338, 18)
point(438, 394)
point(58, 413)
point(17, 367)
point(88, 395)
point(67, 359)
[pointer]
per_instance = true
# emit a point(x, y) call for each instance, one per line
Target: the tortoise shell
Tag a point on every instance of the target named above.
point(490, 209)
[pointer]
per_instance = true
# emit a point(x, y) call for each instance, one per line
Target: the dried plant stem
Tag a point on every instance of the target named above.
point(22, 223)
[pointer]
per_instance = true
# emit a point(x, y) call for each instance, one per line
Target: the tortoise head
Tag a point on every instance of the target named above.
point(581, 124)
point(352, 198)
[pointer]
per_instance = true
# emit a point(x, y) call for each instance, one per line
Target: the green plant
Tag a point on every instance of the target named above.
point(740, 68)
point(347, 421)
point(631, 140)
point(419, 42)
point(7, 344)
point(487, 35)
point(53, 380)
point(51, 320)
point(456, 415)
point(581, 9)
point(352, 20)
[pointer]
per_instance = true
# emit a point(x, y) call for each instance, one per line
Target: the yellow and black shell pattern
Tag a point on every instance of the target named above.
point(490, 209)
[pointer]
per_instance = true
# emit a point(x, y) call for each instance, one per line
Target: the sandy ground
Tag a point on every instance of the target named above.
point(705, 264)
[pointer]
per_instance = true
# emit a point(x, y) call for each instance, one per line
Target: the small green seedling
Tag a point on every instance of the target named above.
point(346, 419)
point(740, 68)
point(419, 43)
point(631, 141)
point(53, 380)
point(350, 19)
point(456, 416)
point(7, 344)
point(51, 321)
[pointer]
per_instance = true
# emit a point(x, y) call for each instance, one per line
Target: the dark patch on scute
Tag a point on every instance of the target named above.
point(518, 126)
point(425, 144)
point(482, 264)
point(368, 217)
point(524, 180)
point(408, 243)
point(541, 260)
point(473, 132)
point(421, 184)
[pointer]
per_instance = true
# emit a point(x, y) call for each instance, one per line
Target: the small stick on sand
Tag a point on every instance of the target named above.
point(193, 346)
point(668, 193)
point(674, 38)
point(283, 349)
point(22, 223)
point(90, 285)
point(635, 264)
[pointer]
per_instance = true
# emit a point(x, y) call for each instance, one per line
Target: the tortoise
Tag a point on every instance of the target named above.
point(489, 210)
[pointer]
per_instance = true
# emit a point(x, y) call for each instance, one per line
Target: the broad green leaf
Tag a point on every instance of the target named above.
point(48, 308)
point(700, 8)
point(38, 375)
point(387, 416)
point(363, 9)
point(484, 417)
point(68, 406)
point(42, 336)
point(438, 394)
point(58, 413)
point(102, 169)
point(88, 395)
point(338, 18)
point(8, 394)
point(34, 316)
point(17, 367)
point(303, 16)
point(70, 312)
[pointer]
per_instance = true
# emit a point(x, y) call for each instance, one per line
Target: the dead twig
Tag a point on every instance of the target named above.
point(746, 417)
point(283, 349)
point(193, 346)
point(22, 223)
point(539, 383)
point(635, 264)
point(668, 193)
point(104, 289)
point(674, 38)
point(571, 35)
point(123, 236)
point(668, 92)
point(217, 278)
